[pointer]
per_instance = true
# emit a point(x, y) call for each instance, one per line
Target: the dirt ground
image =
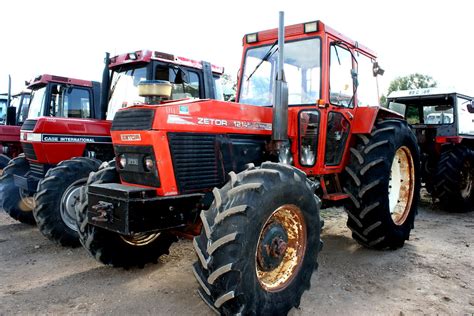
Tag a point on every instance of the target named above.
point(432, 274)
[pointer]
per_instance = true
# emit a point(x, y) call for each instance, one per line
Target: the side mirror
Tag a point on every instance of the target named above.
point(470, 107)
point(377, 70)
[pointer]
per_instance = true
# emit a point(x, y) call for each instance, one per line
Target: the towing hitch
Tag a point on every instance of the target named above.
point(105, 210)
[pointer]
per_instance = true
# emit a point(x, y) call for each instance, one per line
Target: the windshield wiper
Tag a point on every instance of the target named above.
point(265, 58)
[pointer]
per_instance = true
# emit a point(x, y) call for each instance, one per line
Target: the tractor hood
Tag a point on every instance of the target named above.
point(199, 116)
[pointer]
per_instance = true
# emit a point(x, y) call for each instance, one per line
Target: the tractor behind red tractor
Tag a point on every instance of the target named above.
point(52, 97)
point(67, 120)
point(10, 146)
point(249, 175)
point(443, 122)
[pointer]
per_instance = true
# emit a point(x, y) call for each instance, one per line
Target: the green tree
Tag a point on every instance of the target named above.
point(411, 81)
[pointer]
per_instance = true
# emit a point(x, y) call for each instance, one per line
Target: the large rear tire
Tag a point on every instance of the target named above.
point(57, 197)
point(12, 199)
point(382, 180)
point(259, 243)
point(114, 249)
point(454, 179)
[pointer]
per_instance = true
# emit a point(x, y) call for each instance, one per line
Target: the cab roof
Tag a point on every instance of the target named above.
point(149, 55)
point(424, 92)
point(42, 80)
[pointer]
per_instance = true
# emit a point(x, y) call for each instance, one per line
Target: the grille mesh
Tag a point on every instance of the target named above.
point(133, 119)
point(195, 161)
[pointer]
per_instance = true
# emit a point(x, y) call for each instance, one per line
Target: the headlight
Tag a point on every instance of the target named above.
point(149, 164)
point(122, 161)
point(308, 137)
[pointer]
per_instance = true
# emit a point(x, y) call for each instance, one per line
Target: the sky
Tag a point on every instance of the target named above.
point(69, 38)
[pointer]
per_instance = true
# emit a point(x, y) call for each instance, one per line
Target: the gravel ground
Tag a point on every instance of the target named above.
point(432, 274)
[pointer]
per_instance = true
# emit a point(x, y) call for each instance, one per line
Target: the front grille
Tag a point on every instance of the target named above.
point(29, 151)
point(133, 119)
point(29, 125)
point(38, 169)
point(195, 161)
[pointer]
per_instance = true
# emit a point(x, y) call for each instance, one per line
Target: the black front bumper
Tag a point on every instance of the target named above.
point(28, 182)
point(127, 210)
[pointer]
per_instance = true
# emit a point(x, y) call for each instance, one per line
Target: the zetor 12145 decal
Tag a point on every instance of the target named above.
point(250, 193)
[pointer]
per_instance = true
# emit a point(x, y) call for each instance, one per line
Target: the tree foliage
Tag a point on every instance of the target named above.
point(412, 81)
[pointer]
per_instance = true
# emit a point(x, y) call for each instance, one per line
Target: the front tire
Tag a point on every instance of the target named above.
point(12, 200)
point(454, 179)
point(382, 181)
point(58, 195)
point(259, 243)
point(114, 249)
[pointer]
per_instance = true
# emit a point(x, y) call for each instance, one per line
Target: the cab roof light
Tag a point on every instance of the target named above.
point(164, 56)
point(251, 38)
point(311, 27)
point(132, 56)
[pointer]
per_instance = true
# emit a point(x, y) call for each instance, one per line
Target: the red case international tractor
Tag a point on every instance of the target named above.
point(71, 122)
point(51, 96)
point(249, 173)
point(10, 145)
point(443, 122)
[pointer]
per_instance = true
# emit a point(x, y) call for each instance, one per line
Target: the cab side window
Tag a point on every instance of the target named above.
point(367, 94)
point(341, 87)
point(77, 103)
point(69, 101)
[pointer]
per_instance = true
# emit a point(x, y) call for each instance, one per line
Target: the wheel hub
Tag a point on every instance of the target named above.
point(467, 179)
point(27, 202)
point(401, 186)
point(273, 247)
point(69, 202)
point(140, 239)
point(281, 248)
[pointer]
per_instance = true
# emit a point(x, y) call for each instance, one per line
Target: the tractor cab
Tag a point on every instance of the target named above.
point(190, 79)
point(55, 96)
point(435, 112)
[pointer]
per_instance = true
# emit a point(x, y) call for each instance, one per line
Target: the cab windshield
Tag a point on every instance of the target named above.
point(124, 90)
point(37, 103)
point(302, 67)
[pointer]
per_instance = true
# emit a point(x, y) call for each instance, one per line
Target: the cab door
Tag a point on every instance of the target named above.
point(339, 111)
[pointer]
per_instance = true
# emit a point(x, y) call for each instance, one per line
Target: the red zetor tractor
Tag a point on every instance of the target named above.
point(249, 172)
point(10, 145)
point(443, 122)
point(67, 120)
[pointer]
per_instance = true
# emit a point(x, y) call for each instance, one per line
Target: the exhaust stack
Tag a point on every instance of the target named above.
point(105, 87)
point(280, 101)
point(9, 97)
